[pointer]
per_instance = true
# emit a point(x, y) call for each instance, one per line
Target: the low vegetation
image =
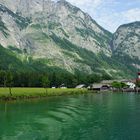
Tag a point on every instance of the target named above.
point(27, 93)
point(118, 85)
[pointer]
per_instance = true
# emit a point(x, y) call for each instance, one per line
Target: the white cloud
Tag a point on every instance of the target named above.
point(111, 21)
point(132, 14)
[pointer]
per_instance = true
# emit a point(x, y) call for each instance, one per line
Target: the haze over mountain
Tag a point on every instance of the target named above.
point(44, 34)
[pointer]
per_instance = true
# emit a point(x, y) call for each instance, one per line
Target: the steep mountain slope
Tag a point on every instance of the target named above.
point(56, 32)
point(126, 44)
point(127, 39)
point(66, 21)
point(47, 34)
point(9, 61)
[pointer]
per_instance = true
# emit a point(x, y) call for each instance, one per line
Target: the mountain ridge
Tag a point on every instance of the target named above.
point(60, 35)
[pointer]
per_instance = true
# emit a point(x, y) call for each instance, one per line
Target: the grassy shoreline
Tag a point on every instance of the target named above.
point(29, 93)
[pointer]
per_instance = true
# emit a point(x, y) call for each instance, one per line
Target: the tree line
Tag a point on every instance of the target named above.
point(54, 79)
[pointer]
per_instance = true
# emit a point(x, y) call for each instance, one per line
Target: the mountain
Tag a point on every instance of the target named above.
point(127, 39)
point(47, 34)
point(126, 44)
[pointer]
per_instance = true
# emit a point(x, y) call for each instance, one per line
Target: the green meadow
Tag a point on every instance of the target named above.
point(27, 93)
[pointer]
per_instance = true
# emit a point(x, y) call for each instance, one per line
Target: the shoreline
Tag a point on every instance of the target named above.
point(34, 93)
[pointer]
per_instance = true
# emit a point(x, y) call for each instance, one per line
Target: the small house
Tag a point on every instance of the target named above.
point(81, 86)
point(62, 86)
point(100, 86)
point(96, 87)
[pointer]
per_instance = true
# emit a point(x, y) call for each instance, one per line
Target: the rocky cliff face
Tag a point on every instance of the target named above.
point(64, 20)
point(127, 39)
point(59, 34)
point(126, 44)
point(53, 31)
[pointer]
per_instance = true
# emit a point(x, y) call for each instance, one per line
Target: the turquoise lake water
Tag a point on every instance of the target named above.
point(80, 117)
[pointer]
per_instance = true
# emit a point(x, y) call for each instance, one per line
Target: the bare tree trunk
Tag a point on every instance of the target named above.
point(46, 91)
point(10, 91)
point(4, 82)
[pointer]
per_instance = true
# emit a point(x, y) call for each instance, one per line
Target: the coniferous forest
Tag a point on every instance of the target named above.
point(35, 79)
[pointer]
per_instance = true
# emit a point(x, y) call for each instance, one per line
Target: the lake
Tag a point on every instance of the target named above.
point(77, 117)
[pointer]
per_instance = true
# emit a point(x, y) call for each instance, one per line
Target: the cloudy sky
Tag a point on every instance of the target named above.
point(110, 13)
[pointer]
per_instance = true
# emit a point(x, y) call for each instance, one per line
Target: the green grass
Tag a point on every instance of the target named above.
point(27, 93)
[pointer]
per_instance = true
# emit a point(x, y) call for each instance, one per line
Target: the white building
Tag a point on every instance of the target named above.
point(131, 85)
point(81, 86)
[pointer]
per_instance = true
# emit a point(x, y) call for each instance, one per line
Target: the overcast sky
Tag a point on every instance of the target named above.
point(110, 13)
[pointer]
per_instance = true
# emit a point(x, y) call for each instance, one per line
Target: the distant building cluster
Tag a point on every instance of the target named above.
point(106, 85)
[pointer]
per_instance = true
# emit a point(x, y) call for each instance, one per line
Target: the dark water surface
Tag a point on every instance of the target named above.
point(82, 117)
